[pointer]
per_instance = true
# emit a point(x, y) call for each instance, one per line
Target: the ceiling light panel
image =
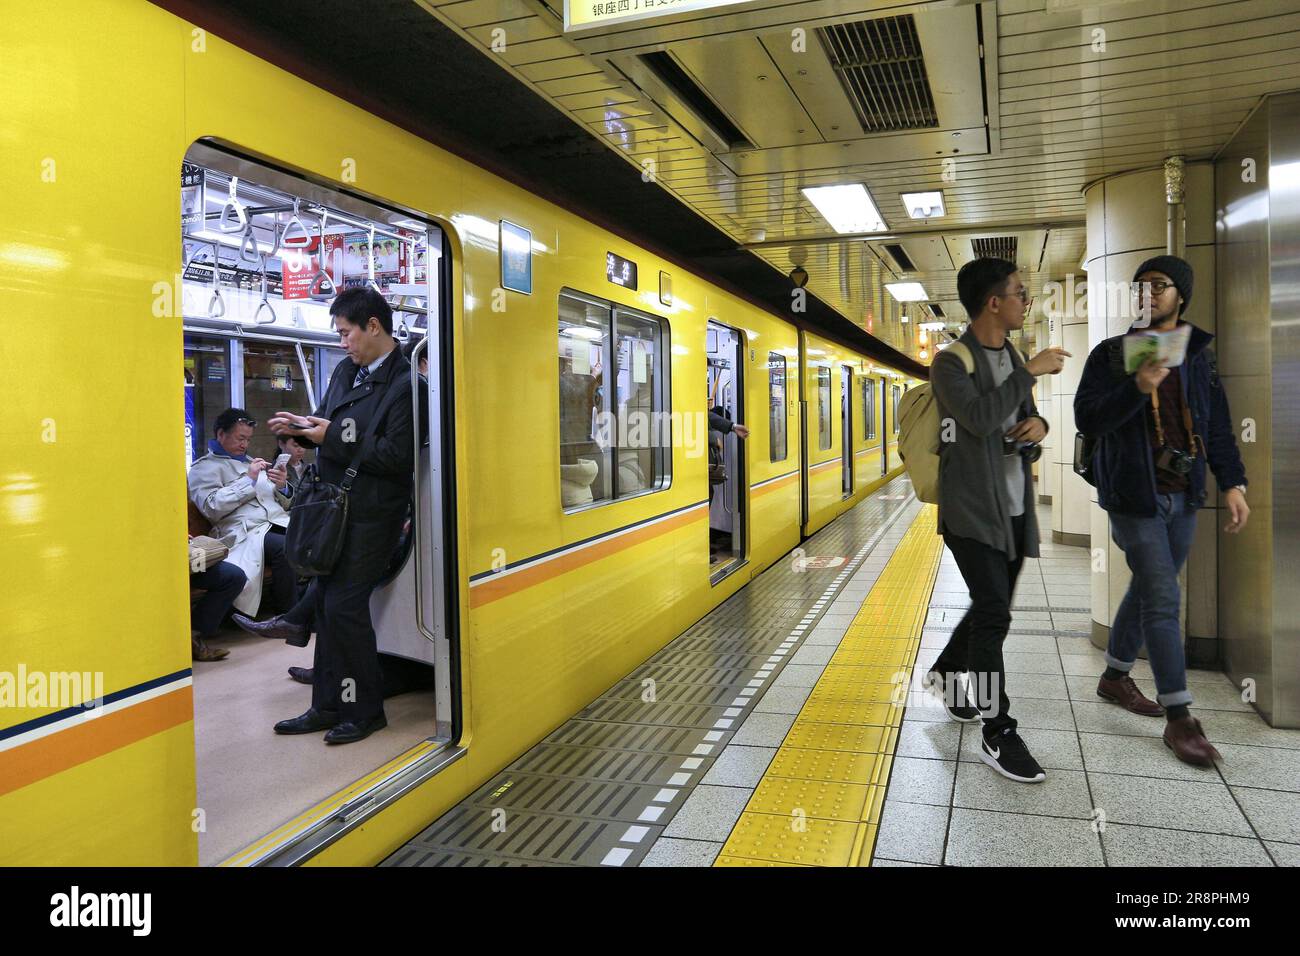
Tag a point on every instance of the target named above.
point(848, 208)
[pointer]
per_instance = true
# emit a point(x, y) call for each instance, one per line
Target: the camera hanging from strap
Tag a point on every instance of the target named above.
point(1193, 439)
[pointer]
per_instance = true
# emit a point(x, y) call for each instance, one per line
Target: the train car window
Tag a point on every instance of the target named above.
point(868, 408)
point(273, 381)
point(823, 407)
point(207, 391)
point(642, 458)
point(776, 369)
point(586, 456)
point(613, 384)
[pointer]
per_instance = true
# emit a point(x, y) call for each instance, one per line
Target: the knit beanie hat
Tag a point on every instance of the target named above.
point(1179, 272)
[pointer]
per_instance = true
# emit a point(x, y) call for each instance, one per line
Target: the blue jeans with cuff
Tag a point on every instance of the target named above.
point(1155, 549)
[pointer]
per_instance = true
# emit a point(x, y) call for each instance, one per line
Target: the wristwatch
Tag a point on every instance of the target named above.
point(1241, 488)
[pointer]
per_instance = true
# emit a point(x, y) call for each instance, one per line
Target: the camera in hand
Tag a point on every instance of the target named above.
point(1031, 451)
point(1173, 461)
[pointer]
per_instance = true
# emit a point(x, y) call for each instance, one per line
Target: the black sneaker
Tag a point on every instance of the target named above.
point(1006, 753)
point(951, 691)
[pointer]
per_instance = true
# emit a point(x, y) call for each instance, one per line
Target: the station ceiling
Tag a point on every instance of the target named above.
point(726, 114)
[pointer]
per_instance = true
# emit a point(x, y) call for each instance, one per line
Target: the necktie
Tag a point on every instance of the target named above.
point(362, 375)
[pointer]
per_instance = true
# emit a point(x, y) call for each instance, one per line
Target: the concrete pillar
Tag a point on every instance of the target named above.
point(1127, 221)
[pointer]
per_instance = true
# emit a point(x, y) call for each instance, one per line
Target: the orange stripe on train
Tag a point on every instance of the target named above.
point(93, 737)
point(493, 589)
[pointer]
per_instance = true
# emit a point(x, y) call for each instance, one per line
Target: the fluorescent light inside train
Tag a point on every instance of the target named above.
point(907, 291)
point(848, 208)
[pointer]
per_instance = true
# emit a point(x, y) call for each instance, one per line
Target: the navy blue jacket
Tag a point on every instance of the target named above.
point(1109, 407)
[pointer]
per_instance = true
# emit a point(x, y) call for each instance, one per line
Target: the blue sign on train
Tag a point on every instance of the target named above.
point(516, 258)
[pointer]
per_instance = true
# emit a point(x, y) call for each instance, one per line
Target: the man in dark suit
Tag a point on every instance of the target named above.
point(347, 695)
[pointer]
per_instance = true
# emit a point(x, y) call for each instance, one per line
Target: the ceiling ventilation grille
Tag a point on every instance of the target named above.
point(995, 247)
point(880, 65)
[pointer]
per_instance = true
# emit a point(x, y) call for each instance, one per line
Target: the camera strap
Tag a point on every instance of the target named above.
point(1192, 438)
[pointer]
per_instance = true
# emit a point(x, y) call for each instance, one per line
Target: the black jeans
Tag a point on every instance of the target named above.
point(976, 643)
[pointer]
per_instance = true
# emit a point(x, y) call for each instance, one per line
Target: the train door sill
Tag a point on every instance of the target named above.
point(307, 840)
point(727, 572)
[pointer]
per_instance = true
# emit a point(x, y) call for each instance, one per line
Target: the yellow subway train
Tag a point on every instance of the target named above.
point(571, 516)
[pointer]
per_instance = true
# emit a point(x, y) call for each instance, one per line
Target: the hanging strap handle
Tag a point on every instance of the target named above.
point(233, 217)
point(295, 234)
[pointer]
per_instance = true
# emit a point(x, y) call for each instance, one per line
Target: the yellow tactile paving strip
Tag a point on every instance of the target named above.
point(819, 801)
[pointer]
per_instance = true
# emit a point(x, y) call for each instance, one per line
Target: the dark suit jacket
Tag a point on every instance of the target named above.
point(382, 489)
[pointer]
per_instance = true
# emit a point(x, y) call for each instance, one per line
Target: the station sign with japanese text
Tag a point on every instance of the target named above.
point(585, 14)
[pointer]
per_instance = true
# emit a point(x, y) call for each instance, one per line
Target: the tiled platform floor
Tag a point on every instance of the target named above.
point(1114, 794)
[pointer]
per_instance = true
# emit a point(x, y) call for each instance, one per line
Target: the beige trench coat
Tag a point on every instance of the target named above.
point(240, 511)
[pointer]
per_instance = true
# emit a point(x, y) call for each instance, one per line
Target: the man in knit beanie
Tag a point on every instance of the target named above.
point(1155, 430)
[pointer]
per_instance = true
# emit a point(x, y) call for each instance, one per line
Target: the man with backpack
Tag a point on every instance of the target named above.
point(988, 438)
point(1155, 429)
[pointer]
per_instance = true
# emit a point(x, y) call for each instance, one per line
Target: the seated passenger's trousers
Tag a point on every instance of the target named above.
point(1155, 549)
point(975, 646)
point(347, 680)
point(222, 585)
point(284, 579)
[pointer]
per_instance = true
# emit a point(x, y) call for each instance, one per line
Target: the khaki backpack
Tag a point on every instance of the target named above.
point(918, 432)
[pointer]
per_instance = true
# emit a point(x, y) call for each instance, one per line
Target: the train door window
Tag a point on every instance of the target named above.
point(884, 445)
point(327, 360)
point(776, 368)
point(846, 429)
point(207, 391)
point(823, 407)
point(263, 255)
point(728, 485)
point(868, 409)
point(895, 393)
point(274, 380)
point(643, 444)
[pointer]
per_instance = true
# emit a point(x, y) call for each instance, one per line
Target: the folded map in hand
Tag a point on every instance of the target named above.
point(1168, 349)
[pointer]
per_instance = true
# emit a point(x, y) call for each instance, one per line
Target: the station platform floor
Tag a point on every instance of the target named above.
point(786, 728)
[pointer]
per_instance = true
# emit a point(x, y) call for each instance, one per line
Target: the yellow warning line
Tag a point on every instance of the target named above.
point(819, 801)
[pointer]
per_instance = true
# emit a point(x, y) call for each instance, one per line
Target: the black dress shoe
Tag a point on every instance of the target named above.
point(276, 628)
point(308, 723)
point(303, 675)
point(352, 731)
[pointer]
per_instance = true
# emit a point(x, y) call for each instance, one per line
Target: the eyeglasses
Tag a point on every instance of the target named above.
point(246, 421)
point(1022, 294)
point(1157, 287)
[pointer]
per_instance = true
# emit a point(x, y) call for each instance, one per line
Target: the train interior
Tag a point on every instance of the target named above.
point(264, 253)
point(727, 483)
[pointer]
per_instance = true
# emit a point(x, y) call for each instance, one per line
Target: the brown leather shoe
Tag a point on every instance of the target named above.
point(201, 651)
point(1125, 693)
point(276, 628)
point(1186, 739)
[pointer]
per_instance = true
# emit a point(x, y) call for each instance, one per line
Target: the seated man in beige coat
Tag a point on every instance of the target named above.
point(245, 498)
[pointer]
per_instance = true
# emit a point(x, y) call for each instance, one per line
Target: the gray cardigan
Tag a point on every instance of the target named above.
point(973, 501)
